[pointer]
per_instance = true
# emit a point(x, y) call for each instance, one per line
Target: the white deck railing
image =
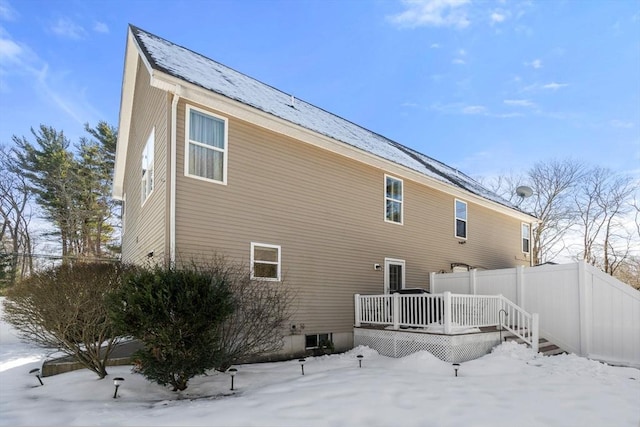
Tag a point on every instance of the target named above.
point(453, 312)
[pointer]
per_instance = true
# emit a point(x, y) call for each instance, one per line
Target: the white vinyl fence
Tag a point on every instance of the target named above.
point(582, 309)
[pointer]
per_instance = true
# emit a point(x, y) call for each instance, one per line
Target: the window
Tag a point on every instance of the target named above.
point(318, 341)
point(526, 235)
point(265, 261)
point(393, 200)
point(206, 151)
point(461, 219)
point(147, 168)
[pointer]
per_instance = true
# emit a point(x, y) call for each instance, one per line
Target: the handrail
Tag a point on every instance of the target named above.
point(452, 312)
point(520, 323)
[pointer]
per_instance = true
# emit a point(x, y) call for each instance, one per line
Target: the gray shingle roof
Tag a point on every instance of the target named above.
point(192, 67)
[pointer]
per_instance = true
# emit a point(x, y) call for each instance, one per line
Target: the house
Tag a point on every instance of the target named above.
point(210, 160)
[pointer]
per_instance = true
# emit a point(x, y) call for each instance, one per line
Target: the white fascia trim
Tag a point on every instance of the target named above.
point(273, 123)
point(132, 55)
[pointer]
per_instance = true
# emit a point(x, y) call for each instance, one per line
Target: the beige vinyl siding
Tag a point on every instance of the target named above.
point(145, 225)
point(327, 214)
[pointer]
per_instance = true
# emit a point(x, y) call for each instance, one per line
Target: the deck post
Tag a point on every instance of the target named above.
point(447, 312)
point(396, 311)
point(535, 325)
point(357, 309)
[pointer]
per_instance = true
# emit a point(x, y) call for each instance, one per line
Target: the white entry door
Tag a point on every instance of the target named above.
point(394, 274)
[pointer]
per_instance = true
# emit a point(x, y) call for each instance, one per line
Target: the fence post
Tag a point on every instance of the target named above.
point(584, 291)
point(447, 312)
point(357, 309)
point(520, 286)
point(432, 282)
point(396, 311)
point(535, 325)
point(472, 281)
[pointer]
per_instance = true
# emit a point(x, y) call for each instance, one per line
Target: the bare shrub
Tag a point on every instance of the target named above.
point(64, 308)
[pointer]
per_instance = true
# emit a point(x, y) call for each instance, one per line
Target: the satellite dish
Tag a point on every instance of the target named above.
point(524, 191)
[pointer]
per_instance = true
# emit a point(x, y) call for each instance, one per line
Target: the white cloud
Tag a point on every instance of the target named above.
point(554, 85)
point(497, 17)
point(67, 28)
point(474, 109)
point(471, 110)
point(7, 13)
point(100, 27)
point(536, 63)
point(621, 124)
point(519, 102)
point(435, 46)
point(19, 61)
point(549, 86)
point(432, 13)
point(460, 59)
point(9, 50)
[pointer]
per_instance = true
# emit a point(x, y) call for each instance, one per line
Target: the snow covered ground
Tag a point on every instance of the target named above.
point(510, 387)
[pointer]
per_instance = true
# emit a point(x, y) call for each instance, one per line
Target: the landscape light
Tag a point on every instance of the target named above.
point(360, 357)
point(36, 373)
point(116, 382)
point(301, 361)
point(456, 366)
point(232, 372)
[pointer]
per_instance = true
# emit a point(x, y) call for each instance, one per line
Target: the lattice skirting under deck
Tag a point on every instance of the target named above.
point(450, 348)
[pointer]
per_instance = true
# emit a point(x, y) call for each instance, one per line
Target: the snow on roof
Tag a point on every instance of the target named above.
point(192, 67)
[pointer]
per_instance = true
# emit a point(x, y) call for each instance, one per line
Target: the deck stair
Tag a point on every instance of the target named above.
point(546, 347)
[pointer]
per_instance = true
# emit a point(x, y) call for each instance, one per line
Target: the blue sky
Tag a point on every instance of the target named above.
point(487, 87)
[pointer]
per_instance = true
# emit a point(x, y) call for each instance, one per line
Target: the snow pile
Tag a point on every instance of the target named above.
point(511, 386)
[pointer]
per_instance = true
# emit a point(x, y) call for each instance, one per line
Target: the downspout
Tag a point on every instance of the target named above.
point(172, 178)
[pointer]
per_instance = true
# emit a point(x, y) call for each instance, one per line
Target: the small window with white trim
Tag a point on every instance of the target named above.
point(206, 146)
point(526, 238)
point(393, 199)
point(147, 168)
point(265, 261)
point(318, 341)
point(461, 219)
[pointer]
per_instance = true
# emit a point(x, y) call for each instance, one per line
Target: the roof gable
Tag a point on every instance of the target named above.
point(189, 66)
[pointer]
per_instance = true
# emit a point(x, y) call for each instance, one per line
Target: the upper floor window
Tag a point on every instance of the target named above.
point(393, 199)
point(461, 219)
point(147, 168)
point(265, 261)
point(526, 236)
point(206, 153)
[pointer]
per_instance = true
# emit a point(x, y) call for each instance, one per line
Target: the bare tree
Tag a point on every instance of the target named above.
point(553, 183)
point(604, 202)
point(16, 243)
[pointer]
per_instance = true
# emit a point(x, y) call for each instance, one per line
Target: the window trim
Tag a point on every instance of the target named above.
point(466, 220)
point(386, 198)
point(279, 263)
point(144, 182)
point(318, 340)
point(528, 238)
point(225, 152)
